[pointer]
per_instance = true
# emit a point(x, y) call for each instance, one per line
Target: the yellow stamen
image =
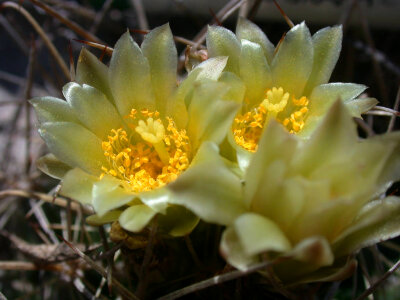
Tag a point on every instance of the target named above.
point(247, 127)
point(158, 159)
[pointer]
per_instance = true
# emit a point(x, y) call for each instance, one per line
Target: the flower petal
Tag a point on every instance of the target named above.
point(74, 145)
point(378, 221)
point(208, 188)
point(314, 250)
point(284, 198)
point(254, 71)
point(305, 258)
point(391, 171)
point(243, 156)
point(220, 121)
point(335, 136)
point(327, 45)
point(109, 217)
point(210, 117)
point(232, 250)
point(78, 185)
point(293, 61)
point(52, 166)
point(319, 220)
point(92, 108)
point(157, 199)
point(93, 72)
point(337, 272)
point(359, 106)
point(297, 272)
point(108, 194)
point(51, 109)
point(258, 234)
point(136, 217)
point(178, 221)
point(211, 68)
point(159, 48)
point(276, 144)
point(129, 77)
point(237, 88)
point(249, 31)
point(324, 95)
point(223, 42)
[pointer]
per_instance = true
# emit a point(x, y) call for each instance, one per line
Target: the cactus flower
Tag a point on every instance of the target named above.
point(127, 131)
point(287, 83)
point(313, 201)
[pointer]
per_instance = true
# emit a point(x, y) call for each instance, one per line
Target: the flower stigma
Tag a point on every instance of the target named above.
point(277, 104)
point(148, 156)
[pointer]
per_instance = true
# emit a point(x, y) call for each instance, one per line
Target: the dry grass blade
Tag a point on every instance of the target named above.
point(222, 15)
point(2, 297)
point(365, 127)
point(44, 223)
point(43, 253)
point(123, 290)
point(21, 82)
point(71, 63)
point(27, 266)
point(395, 108)
point(345, 17)
point(377, 68)
point(218, 280)
point(100, 15)
point(393, 112)
point(47, 198)
point(143, 280)
point(14, 35)
point(193, 253)
point(74, 8)
point(254, 8)
point(73, 26)
point(27, 95)
point(374, 286)
point(110, 262)
point(42, 34)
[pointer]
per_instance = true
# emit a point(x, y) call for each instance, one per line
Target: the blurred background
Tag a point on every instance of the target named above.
point(370, 56)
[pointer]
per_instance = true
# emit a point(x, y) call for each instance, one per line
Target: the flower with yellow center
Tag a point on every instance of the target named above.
point(309, 203)
point(127, 131)
point(287, 83)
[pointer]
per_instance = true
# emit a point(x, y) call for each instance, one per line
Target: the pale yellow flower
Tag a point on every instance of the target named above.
point(314, 201)
point(129, 130)
point(287, 83)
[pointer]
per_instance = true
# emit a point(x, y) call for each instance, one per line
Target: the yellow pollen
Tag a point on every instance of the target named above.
point(150, 155)
point(277, 104)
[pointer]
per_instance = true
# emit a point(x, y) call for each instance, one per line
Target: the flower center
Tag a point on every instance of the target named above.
point(277, 104)
point(148, 156)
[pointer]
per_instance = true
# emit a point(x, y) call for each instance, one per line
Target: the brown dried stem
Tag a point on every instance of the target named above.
point(73, 26)
point(54, 52)
point(28, 266)
point(395, 108)
point(47, 198)
point(218, 280)
point(374, 286)
point(27, 95)
point(123, 290)
point(287, 19)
